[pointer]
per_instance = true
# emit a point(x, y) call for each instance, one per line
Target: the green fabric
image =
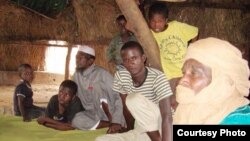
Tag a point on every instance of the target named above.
point(13, 129)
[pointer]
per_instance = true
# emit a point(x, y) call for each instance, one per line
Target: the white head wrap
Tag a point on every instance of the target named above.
point(225, 93)
point(224, 59)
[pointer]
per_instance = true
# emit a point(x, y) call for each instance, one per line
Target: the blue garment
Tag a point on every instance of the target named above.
point(240, 116)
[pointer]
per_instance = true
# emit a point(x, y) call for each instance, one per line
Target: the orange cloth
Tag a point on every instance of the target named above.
point(226, 91)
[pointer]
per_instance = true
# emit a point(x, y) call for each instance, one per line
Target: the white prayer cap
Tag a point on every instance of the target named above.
point(86, 49)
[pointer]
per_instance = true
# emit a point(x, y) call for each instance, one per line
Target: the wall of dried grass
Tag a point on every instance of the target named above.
point(84, 22)
point(12, 55)
point(228, 24)
point(93, 22)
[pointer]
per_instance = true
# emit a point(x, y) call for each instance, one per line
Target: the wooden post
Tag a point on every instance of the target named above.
point(66, 76)
point(140, 28)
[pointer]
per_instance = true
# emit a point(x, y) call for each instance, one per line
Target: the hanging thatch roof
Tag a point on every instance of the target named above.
point(92, 22)
point(79, 22)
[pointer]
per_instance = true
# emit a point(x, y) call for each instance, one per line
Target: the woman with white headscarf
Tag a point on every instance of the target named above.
point(214, 85)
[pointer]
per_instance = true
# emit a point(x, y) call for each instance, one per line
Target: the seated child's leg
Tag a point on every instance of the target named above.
point(35, 112)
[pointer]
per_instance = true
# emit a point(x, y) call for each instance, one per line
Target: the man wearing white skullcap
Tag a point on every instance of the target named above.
point(103, 107)
point(214, 85)
point(86, 49)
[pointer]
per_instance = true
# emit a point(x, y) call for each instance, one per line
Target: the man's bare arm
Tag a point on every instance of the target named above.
point(167, 121)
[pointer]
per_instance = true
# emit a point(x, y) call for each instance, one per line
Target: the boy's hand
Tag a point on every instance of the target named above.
point(41, 120)
point(114, 128)
point(124, 130)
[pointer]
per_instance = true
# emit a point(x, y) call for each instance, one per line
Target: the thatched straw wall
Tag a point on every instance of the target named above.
point(224, 19)
point(92, 22)
point(228, 24)
point(20, 24)
point(96, 19)
point(82, 22)
point(15, 53)
point(12, 55)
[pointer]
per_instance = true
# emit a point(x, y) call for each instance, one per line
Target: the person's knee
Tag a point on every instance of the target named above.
point(74, 122)
point(77, 122)
point(84, 122)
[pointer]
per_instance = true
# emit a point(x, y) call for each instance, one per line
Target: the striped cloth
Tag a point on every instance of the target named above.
point(155, 88)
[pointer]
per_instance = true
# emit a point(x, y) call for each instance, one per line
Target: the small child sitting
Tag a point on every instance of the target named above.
point(23, 101)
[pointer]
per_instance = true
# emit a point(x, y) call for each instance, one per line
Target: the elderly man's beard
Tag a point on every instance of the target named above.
point(218, 89)
point(184, 95)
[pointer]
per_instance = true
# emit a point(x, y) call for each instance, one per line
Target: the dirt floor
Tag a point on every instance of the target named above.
point(42, 94)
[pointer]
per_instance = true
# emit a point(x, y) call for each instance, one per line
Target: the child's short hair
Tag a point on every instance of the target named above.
point(132, 44)
point(71, 85)
point(158, 8)
point(22, 67)
point(121, 17)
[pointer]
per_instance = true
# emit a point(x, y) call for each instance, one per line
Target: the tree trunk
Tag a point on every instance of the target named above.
point(140, 28)
point(67, 75)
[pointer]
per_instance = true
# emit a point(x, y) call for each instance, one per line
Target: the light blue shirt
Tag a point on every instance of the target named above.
point(240, 116)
